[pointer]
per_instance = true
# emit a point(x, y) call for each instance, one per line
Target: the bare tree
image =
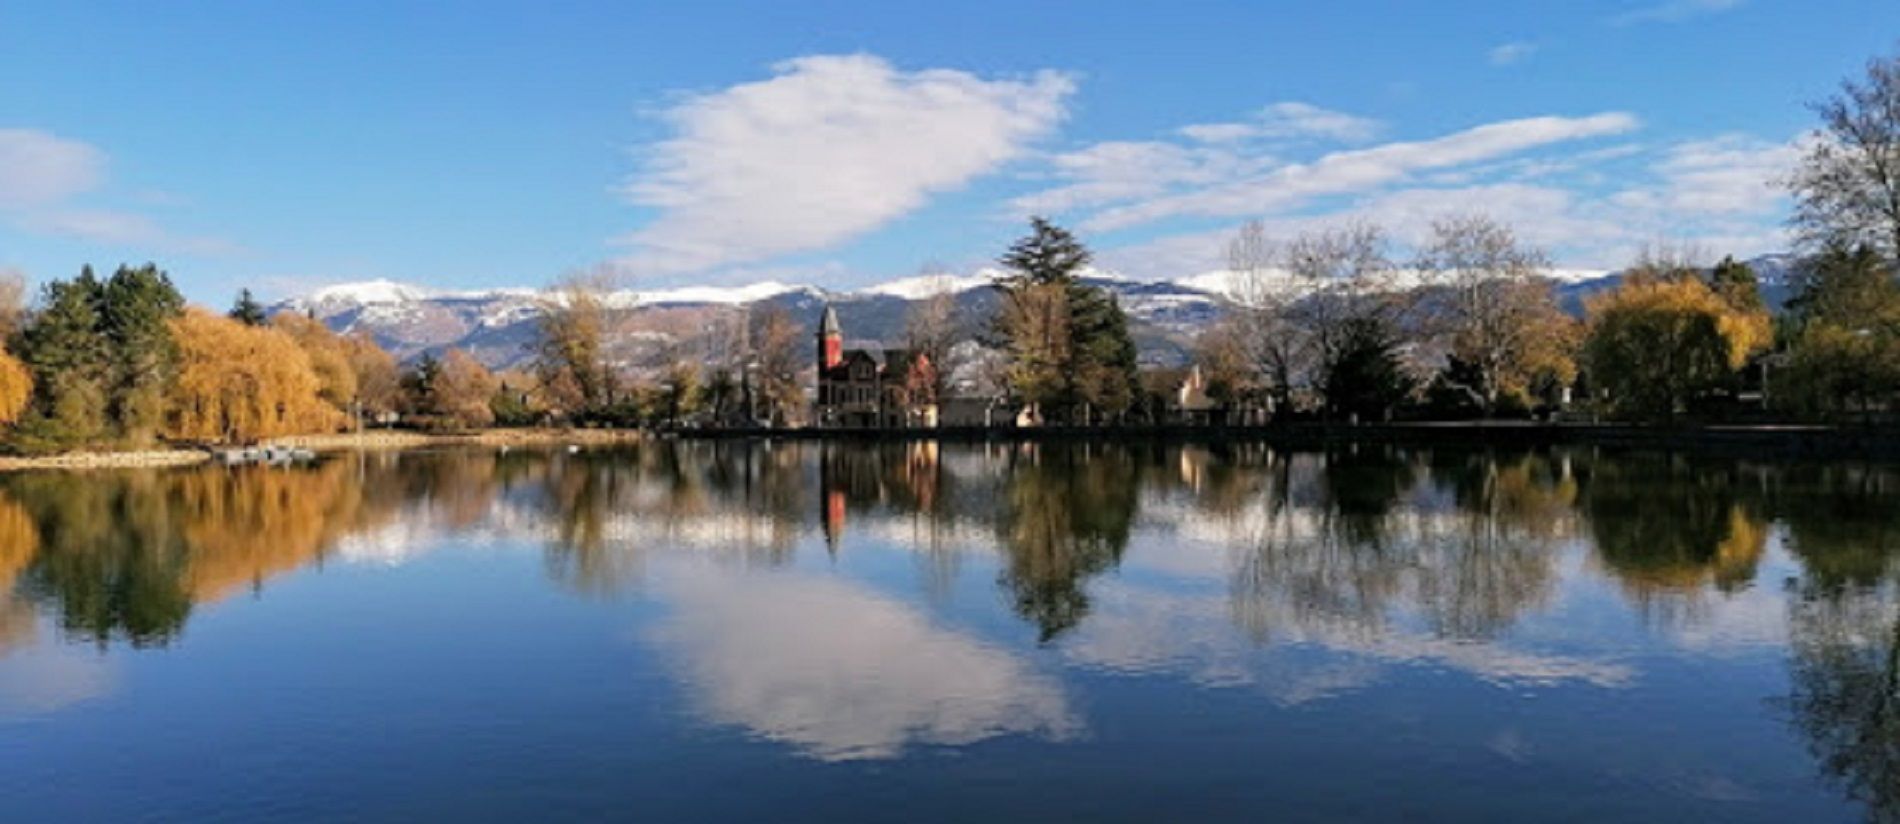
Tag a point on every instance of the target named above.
point(776, 342)
point(1847, 188)
point(1343, 280)
point(12, 301)
point(1262, 297)
point(931, 326)
point(1500, 318)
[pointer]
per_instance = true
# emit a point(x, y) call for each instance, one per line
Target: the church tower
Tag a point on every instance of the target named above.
point(830, 340)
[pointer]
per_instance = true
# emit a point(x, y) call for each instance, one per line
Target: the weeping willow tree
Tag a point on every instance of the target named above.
point(16, 388)
point(238, 384)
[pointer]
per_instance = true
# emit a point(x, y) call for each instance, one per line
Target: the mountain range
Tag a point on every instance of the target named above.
point(498, 326)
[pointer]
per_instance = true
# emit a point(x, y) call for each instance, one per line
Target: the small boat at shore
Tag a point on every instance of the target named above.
point(274, 455)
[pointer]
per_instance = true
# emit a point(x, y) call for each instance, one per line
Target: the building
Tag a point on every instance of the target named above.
point(856, 389)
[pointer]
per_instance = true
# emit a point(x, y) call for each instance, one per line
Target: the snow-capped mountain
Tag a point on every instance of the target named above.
point(498, 325)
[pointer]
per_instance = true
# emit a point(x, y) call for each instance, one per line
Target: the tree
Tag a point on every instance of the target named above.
point(1049, 254)
point(1035, 323)
point(1846, 349)
point(930, 326)
point(329, 358)
point(1262, 300)
point(570, 358)
point(461, 390)
point(685, 393)
point(1102, 354)
point(1847, 187)
point(1502, 318)
point(778, 343)
point(1366, 380)
point(1656, 344)
point(12, 302)
point(1344, 281)
point(240, 384)
point(378, 382)
point(1735, 282)
point(16, 388)
point(137, 307)
point(69, 357)
point(247, 310)
point(1069, 341)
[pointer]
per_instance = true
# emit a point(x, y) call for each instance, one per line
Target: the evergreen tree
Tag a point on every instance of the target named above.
point(1102, 369)
point(137, 308)
point(247, 310)
point(69, 357)
point(1088, 366)
point(1049, 254)
point(1368, 379)
point(1736, 283)
point(418, 386)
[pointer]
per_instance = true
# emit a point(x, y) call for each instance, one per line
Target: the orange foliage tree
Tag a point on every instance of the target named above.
point(329, 357)
point(238, 383)
point(462, 390)
point(1657, 344)
point(16, 387)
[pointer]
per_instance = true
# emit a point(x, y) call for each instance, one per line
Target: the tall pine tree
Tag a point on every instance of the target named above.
point(1094, 365)
point(139, 306)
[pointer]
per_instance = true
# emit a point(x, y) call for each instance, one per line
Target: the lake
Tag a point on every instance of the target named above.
point(1006, 632)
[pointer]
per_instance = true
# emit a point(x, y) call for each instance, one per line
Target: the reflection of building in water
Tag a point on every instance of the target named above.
point(855, 390)
point(899, 477)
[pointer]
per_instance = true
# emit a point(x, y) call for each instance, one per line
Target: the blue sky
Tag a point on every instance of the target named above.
point(470, 145)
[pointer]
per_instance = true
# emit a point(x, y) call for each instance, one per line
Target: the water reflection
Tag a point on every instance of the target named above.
point(1186, 561)
point(843, 673)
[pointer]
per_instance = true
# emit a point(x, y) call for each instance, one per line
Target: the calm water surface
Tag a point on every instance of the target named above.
point(912, 632)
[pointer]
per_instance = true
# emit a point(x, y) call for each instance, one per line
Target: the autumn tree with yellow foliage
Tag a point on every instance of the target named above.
point(1664, 339)
point(329, 358)
point(239, 384)
point(16, 388)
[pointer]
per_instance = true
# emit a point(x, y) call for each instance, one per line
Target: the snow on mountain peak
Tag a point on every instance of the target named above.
point(368, 292)
point(924, 286)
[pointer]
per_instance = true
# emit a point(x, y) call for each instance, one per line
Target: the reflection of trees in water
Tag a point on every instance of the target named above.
point(1067, 512)
point(1668, 528)
point(19, 542)
point(1845, 690)
point(1844, 624)
point(607, 509)
point(126, 555)
point(1497, 560)
point(1471, 548)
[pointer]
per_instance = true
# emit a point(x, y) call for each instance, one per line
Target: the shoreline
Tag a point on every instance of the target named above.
point(1782, 441)
point(1768, 440)
point(378, 440)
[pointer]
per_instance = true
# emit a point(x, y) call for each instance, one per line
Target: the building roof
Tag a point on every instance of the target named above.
point(830, 326)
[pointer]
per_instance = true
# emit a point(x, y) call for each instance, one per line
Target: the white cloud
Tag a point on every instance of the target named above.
point(42, 174)
point(1511, 53)
point(1118, 171)
point(1289, 120)
point(1731, 174)
point(829, 148)
point(1670, 11)
point(1718, 194)
point(841, 673)
point(38, 168)
point(1360, 170)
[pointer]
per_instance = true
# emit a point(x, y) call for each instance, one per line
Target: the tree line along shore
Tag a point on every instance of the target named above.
point(1332, 325)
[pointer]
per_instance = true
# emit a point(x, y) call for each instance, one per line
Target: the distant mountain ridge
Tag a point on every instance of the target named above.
point(498, 326)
